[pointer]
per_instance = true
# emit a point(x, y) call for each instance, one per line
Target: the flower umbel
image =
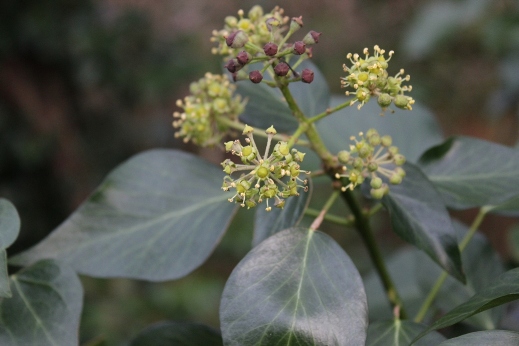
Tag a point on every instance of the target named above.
point(274, 175)
point(364, 160)
point(368, 77)
point(211, 99)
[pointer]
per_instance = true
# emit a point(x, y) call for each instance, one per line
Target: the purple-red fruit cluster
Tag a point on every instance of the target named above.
point(299, 47)
point(281, 69)
point(270, 49)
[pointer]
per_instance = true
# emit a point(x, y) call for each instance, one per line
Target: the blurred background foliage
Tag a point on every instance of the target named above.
point(85, 84)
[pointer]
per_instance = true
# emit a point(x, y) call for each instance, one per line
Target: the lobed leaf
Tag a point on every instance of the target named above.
point(419, 216)
point(156, 217)
point(503, 290)
point(399, 333)
point(177, 334)
point(471, 172)
point(297, 287)
point(45, 307)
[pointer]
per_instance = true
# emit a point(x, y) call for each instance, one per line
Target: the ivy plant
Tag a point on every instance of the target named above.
point(160, 215)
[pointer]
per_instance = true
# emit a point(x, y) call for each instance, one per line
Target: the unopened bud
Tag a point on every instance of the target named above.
point(343, 156)
point(312, 37)
point(384, 100)
point(233, 66)
point(296, 23)
point(270, 49)
point(281, 69)
point(299, 47)
point(401, 101)
point(307, 76)
point(255, 76)
point(243, 57)
point(237, 39)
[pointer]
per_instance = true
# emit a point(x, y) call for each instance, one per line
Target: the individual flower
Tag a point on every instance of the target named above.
point(373, 157)
point(211, 100)
point(368, 77)
point(271, 176)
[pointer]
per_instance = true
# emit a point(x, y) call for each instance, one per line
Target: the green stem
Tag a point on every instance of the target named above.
point(330, 217)
point(311, 132)
point(329, 111)
point(443, 276)
point(320, 217)
point(364, 229)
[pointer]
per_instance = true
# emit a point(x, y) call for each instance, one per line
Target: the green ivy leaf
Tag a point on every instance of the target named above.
point(419, 216)
point(482, 267)
point(9, 223)
point(45, 307)
point(9, 229)
point(399, 333)
point(471, 172)
point(156, 217)
point(266, 107)
point(298, 287)
point(485, 338)
point(503, 290)
point(267, 223)
point(177, 334)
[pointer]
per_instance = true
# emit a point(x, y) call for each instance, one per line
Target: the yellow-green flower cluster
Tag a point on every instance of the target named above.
point(372, 156)
point(269, 176)
point(255, 25)
point(210, 101)
point(368, 77)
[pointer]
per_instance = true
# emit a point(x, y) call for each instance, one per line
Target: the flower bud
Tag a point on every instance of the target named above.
point(395, 179)
point(376, 183)
point(270, 49)
point(243, 57)
point(237, 39)
point(255, 76)
point(312, 37)
point(399, 159)
point(307, 76)
point(281, 69)
point(343, 156)
point(378, 193)
point(402, 101)
point(255, 13)
point(386, 140)
point(296, 24)
point(299, 47)
point(233, 66)
point(384, 100)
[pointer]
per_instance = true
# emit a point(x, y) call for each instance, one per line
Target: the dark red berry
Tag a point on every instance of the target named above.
point(233, 66)
point(299, 47)
point(307, 76)
point(243, 57)
point(281, 69)
point(255, 76)
point(270, 49)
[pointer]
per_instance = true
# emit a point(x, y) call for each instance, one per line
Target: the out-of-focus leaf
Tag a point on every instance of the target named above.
point(503, 290)
point(157, 216)
point(471, 172)
point(419, 216)
point(436, 21)
point(399, 333)
point(485, 338)
point(9, 229)
point(45, 307)
point(177, 334)
point(298, 287)
point(267, 223)
point(482, 267)
point(9, 223)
